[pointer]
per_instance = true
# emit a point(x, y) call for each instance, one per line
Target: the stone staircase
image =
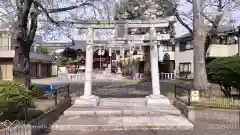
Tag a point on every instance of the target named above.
point(122, 114)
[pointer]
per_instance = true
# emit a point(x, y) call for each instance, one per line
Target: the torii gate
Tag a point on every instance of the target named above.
point(156, 98)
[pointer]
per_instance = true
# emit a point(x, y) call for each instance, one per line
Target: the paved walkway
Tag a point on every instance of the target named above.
point(122, 114)
point(133, 89)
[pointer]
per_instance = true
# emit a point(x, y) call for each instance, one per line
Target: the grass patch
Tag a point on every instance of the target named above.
point(219, 103)
point(129, 81)
point(146, 126)
point(214, 102)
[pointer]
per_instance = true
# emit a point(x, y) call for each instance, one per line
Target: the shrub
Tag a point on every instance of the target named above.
point(37, 91)
point(14, 100)
point(43, 49)
point(225, 71)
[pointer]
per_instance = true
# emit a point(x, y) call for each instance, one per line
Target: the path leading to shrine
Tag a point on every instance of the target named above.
point(131, 89)
point(122, 106)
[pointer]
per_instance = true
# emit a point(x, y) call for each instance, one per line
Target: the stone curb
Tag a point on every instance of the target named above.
point(201, 113)
point(121, 113)
point(119, 127)
point(43, 122)
point(38, 125)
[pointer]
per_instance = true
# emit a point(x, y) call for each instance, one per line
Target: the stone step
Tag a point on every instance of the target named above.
point(103, 123)
point(130, 111)
point(129, 132)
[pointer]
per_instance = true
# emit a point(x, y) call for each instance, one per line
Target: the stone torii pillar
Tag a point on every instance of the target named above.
point(88, 100)
point(156, 98)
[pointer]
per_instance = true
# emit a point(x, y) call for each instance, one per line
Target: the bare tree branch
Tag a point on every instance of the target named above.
point(49, 11)
point(190, 1)
point(33, 28)
point(183, 23)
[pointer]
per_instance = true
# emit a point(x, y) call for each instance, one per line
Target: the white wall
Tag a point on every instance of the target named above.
point(181, 57)
point(217, 50)
point(7, 53)
point(214, 51)
point(232, 50)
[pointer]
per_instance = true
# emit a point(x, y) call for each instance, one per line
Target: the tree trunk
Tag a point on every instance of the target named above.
point(21, 68)
point(147, 64)
point(23, 41)
point(239, 41)
point(200, 81)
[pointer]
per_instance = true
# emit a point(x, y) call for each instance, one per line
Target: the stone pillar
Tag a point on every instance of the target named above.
point(122, 54)
point(156, 98)
point(154, 65)
point(121, 59)
point(88, 71)
point(88, 100)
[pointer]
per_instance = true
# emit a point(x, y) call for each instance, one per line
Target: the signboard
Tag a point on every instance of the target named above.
point(194, 95)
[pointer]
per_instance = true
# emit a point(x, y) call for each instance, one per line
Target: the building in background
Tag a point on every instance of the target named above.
point(166, 57)
point(40, 63)
point(225, 45)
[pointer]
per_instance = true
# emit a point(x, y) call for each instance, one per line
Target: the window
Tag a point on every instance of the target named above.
point(167, 48)
point(189, 45)
point(182, 46)
point(4, 39)
point(6, 70)
point(232, 40)
point(186, 45)
point(185, 67)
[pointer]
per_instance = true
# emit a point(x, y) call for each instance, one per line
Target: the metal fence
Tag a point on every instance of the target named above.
point(213, 98)
point(38, 125)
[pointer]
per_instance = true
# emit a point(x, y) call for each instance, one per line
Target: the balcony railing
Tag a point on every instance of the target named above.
point(167, 76)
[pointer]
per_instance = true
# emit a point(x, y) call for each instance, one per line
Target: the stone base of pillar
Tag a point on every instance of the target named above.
point(153, 100)
point(119, 71)
point(87, 101)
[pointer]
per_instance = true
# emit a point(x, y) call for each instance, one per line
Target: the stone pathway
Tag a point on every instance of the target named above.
point(132, 89)
point(96, 78)
point(122, 114)
point(150, 132)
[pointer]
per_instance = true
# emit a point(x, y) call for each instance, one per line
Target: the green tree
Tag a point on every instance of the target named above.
point(225, 71)
point(43, 49)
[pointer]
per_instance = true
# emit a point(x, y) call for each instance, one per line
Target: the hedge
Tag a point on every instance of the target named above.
point(225, 71)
